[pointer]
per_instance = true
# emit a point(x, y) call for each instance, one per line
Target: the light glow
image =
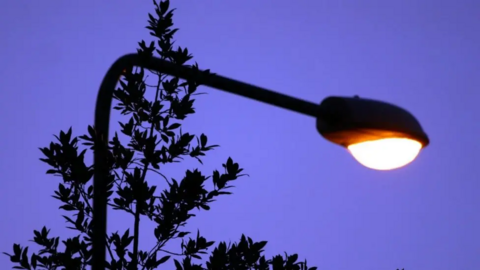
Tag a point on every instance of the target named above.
point(385, 154)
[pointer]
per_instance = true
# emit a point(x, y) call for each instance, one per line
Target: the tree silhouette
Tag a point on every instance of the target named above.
point(152, 137)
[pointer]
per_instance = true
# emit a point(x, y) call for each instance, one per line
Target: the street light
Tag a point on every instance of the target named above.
point(378, 135)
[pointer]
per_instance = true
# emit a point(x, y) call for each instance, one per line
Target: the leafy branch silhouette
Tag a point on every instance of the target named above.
point(154, 139)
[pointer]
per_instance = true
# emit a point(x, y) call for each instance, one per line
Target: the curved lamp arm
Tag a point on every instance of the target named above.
point(102, 122)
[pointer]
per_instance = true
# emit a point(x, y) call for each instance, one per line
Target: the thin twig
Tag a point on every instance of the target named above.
point(169, 252)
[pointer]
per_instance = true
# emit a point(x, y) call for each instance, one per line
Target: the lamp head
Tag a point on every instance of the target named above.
point(379, 135)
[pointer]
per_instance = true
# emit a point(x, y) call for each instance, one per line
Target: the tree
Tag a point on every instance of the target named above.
point(150, 139)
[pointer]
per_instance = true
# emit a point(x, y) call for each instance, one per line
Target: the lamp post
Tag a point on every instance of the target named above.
point(379, 135)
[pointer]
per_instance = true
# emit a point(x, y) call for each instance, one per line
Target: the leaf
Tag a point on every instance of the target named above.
point(203, 140)
point(195, 256)
point(164, 5)
point(69, 220)
point(68, 135)
point(79, 221)
point(174, 126)
point(52, 171)
point(24, 262)
point(126, 238)
point(162, 260)
point(91, 131)
point(205, 207)
point(292, 259)
point(164, 138)
point(260, 245)
point(67, 207)
point(17, 250)
point(182, 234)
point(178, 265)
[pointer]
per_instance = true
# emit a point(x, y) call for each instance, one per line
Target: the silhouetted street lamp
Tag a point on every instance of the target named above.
point(379, 135)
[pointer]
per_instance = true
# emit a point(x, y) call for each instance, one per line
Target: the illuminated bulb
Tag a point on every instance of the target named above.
point(385, 154)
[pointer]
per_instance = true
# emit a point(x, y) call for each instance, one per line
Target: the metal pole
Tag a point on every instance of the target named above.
point(102, 119)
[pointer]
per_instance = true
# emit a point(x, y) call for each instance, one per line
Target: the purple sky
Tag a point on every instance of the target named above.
point(304, 194)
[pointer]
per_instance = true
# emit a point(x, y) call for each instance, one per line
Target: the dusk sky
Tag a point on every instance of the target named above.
point(304, 194)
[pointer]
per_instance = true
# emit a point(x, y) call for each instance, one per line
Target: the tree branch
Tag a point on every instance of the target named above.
point(139, 204)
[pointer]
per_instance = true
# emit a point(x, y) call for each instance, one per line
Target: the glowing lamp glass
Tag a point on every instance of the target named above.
point(385, 154)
